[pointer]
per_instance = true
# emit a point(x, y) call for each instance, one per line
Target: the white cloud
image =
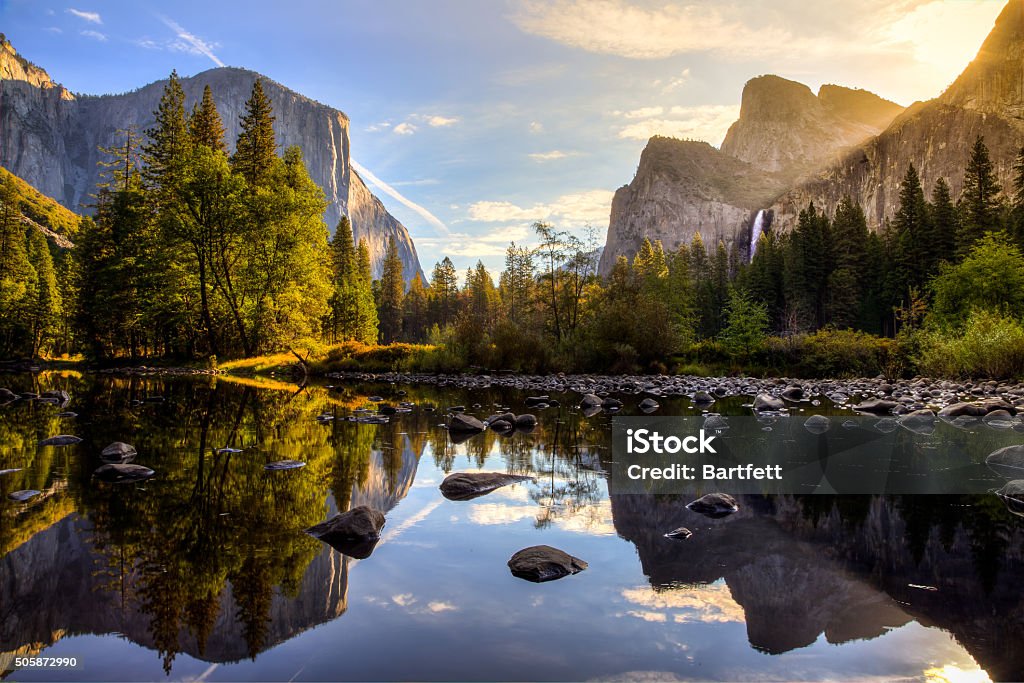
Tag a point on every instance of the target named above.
point(641, 113)
point(91, 17)
point(438, 606)
point(679, 81)
point(404, 128)
point(618, 28)
point(536, 127)
point(706, 122)
point(53, 29)
point(377, 127)
point(441, 121)
point(591, 206)
point(95, 35)
point(191, 43)
point(148, 44)
point(549, 156)
point(398, 196)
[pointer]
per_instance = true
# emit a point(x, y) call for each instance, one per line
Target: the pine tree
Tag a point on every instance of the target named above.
point(944, 227)
point(368, 323)
point(809, 265)
point(517, 283)
point(912, 231)
point(345, 297)
point(256, 148)
point(979, 204)
point(45, 309)
point(166, 153)
point(205, 124)
point(414, 322)
point(444, 289)
point(392, 294)
point(848, 281)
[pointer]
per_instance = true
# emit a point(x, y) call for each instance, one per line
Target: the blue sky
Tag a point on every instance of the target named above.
point(488, 115)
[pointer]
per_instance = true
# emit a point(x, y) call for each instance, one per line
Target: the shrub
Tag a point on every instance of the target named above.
point(989, 345)
point(837, 353)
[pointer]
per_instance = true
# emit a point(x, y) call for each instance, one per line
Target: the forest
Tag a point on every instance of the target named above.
point(193, 254)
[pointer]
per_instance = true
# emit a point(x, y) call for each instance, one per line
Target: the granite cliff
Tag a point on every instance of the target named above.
point(50, 138)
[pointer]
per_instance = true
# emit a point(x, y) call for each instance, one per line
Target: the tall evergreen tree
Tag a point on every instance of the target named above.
point(912, 230)
point(166, 152)
point(414, 321)
point(44, 312)
point(517, 283)
point(392, 295)
point(809, 267)
point(256, 147)
point(205, 124)
point(444, 287)
point(848, 282)
point(979, 201)
point(368, 322)
point(1017, 201)
point(944, 227)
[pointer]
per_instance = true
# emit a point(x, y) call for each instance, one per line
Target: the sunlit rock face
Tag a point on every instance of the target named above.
point(987, 99)
point(52, 139)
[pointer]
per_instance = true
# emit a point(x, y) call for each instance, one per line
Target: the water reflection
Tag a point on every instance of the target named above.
point(208, 559)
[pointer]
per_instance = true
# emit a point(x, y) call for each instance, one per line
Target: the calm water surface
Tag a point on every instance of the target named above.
point(203, 572)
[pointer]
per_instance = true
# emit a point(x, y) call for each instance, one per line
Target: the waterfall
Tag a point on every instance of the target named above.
point(755, 232)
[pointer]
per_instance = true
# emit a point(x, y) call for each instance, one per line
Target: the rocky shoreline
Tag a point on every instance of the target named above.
point(874, 394)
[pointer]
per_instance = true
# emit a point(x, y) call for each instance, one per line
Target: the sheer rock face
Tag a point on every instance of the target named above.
point(987, 99)
point(682, 188)
point(51, 140)
point(786, 128)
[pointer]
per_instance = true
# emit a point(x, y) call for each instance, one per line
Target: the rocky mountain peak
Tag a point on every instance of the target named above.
point(994, 81)
point(784, 127)
point(14, 67)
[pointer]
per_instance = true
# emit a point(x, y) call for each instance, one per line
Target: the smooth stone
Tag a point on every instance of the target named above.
point(887, 425)
point(1012, 495)
point(590, 401)
point(540, 563)
point(649, 405)
point(227, 450)
point(10, 471)
point(1008, 462)
point(715, 423)
point(462, 423)
point(532, 401)
point(793, 393)
point(680, 534)
point(703, 398)
point(118, 451)
point(469, 485)
point(67, 414)
point(354, 533)
point(714, 505)
point(60, 440)
point(767, 402)
point(526, 422)
point(6, 395)
point(122, 473)
point(817, 424)
point(962, 410)
point(284, 465)
point(22, 496)
point(876, 406)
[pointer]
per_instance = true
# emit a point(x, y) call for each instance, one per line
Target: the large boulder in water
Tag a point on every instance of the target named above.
point(464, 425)
point(1012, 495)
point(541, 563)
point(354, 533)
point(118, 451)
point(963, 410)
point(469, 485)
point(714, 505)
point(122, 473)
point(876, 406)
point(6, 395)
point(767, 402)
point(1008, 462)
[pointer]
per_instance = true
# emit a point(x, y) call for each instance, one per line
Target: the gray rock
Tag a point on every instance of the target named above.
point(284, 465)
point(817, 424)
point(118, 452)
point(590, 401)
point(60, 440)
point(354, 533)
point(876, 406)
point(714, 505)
point(541, 563)
point(526, 422)
point(793, 393)
point(10, 471)
point(963, 410)
point(463, 424)
point(22, 496)
point(680, 534)
point(763, 402)
point(1012, 494)
point(122, 473)
point(703, 398)
point(6, 395)
point(1008, 462)
point(649, 405)
point(469, 485)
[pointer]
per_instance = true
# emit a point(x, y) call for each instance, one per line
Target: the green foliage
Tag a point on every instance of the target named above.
point(988, 345)
point(979, 203)
point(392, 295)
point(353, 313)
point(38, 207)
point(256, 148)
point(835, 353)
point(746, 325)
point(991, 278)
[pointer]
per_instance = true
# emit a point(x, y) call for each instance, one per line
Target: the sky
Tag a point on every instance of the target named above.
point(471, 119)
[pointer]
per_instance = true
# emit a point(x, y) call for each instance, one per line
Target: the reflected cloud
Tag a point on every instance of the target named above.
point(712, 603)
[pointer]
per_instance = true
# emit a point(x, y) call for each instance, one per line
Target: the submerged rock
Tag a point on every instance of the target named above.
point(6, 395)
point(354, 533)
point(1012, 495)
point(465, 424)
point(60, 440)
point(469, 485)
point(793, 393)
point(919, 421)
point(703, 398)
point(714, 505)
point(526, 422)
point(590, 401)
point(10, 471)
point(680, 534)
point(541, 563)
point(817, 424)
point(22, 496)
point(715, 423)
point(122, 473)
point(1008, 462)
point(963, 410)
point(284, 465)
point(649, 405)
